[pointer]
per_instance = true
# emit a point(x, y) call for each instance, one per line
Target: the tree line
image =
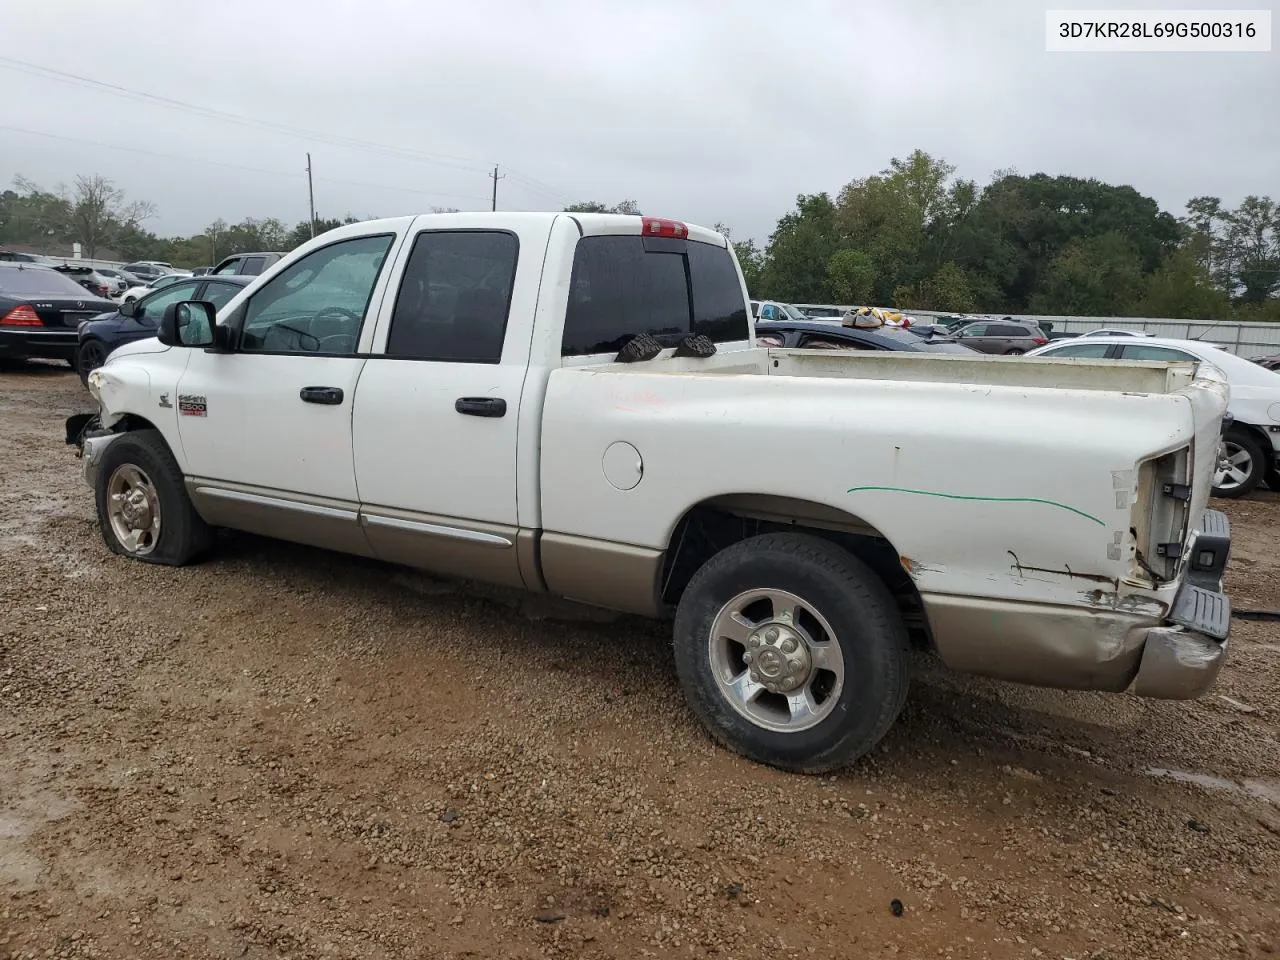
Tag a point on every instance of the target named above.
point(913, 236)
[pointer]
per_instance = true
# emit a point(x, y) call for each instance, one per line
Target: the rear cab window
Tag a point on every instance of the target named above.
point(622, 286)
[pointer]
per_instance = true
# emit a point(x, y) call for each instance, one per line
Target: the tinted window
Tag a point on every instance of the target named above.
point(254, 265)
point(318, 304)
point(1139, 351)
point(623, 286)
point(454, 297)
point(220, 293)
point(38, 282)
point(151, 307)
point(1093, 350)
point(1007, 330)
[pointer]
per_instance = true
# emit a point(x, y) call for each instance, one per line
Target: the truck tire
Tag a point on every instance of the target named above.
point(791, 652)
point(1248, 458)
point(143, 508)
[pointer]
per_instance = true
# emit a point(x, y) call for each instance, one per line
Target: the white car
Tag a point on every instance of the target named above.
point(574, 404)
point(1251, 444)
point(1115, 332)
point(137, 293)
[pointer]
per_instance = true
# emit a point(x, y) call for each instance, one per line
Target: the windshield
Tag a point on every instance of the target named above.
point(39, 282)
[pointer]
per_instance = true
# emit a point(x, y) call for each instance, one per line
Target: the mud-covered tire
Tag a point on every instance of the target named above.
point(182, 535)
point(865, 622)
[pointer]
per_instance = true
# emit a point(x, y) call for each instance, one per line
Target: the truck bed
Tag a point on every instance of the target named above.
point(1118, 376)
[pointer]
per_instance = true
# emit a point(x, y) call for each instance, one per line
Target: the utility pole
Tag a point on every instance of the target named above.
point(495, 179)
point(311, 196)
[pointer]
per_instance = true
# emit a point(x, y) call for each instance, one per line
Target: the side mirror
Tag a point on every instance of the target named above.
point(129, 309)
point(188, 324)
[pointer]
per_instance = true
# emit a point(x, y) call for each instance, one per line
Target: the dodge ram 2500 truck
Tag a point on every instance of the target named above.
point(533, 400)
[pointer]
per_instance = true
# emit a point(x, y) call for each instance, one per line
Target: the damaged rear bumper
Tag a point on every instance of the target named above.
point(1182, 659)
point(1172, 652)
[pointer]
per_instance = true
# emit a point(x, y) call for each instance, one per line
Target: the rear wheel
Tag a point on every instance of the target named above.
point(143, 507)
point(1014, 352)
point(791, 652)
point(1242, 464)
point(89, 356)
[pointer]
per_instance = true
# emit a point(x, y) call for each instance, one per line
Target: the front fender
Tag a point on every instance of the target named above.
point(139, 382)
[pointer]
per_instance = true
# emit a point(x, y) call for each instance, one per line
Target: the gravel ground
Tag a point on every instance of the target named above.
point(288, 753)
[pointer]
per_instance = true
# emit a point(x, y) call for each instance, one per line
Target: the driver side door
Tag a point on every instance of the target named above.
point(266, 424)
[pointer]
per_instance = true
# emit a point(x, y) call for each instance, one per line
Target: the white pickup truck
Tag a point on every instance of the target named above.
point(470, 394)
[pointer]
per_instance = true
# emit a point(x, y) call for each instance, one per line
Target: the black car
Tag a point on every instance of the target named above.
point(40, 309)
point(826, 335)
point(137, 319)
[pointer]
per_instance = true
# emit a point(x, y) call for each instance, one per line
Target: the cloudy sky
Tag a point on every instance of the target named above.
point(706, 110)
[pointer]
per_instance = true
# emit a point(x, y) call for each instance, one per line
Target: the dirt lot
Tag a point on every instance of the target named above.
point(287, 753)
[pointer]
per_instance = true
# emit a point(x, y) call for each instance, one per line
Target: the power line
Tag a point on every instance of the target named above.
point(462, 163)
point(237, 166)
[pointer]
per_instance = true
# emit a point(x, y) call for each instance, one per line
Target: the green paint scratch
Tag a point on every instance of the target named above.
point(957, 496)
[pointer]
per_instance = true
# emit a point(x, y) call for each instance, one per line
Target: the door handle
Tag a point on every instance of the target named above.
point(328, 395)
point(481, 406)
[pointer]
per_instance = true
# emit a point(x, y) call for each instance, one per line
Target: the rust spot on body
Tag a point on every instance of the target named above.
point(1023, 569)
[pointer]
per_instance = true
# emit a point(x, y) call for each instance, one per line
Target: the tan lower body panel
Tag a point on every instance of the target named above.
point(618, 576)
point(1039, 644)
point(315, 521)
point(614, 575)
point(465, 549)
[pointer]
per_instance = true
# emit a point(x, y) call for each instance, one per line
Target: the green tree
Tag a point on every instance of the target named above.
point(1183, 288)
point(1093, 277)
point(629, 207)
point(799, 249)
point(851, 276)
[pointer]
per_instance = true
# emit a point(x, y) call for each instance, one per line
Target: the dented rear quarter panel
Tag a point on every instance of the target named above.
point(1007, 492)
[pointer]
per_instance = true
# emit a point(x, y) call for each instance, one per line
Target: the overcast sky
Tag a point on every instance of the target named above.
point(705, 110)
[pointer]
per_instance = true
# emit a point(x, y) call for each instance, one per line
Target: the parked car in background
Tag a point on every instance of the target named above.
point(137, 320)
point(1116, 332)
point(1008, 337)
point(247, 264)
point(773, 310)
point(147, 270)
point(818, 313)
point(136, 293)
point(1251, 444)
point(1271, 363)
point(98, 284)
point(126, 279)
point(828, 335)
point(13, 256)
point(200, 271)
point(40, 309)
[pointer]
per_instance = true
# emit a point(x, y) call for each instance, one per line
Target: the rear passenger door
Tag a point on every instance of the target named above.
point(437, 405)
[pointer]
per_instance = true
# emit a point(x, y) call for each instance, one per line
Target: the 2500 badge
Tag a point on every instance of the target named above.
point(192, 405)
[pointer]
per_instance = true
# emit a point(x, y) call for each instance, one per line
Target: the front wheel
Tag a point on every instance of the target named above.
point(90, 355)
point(791, 652)
point(143, 507)
point(1242, 463)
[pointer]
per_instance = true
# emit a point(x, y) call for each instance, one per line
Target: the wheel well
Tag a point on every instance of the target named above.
point(1258, 434)
point(715, 524)
point(131, 422)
